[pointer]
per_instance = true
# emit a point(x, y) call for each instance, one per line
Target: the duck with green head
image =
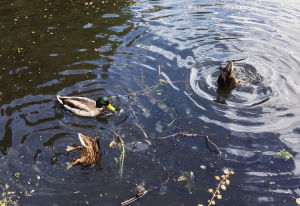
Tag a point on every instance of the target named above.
point(84, 106)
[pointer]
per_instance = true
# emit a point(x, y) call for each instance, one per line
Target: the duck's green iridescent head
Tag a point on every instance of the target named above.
point(103, 102)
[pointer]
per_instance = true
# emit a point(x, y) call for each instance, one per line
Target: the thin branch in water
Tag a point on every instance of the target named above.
point(142, 129)
point(208, 141)
point(182, 134)
point(136, 197)
point(158, 70)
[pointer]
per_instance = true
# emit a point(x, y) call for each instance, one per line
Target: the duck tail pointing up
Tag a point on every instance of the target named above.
point(59, 98)
point(81, 136)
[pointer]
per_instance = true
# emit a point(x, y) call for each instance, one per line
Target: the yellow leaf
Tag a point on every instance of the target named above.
point(298, 201)
point(182, 178)
point(112, 144)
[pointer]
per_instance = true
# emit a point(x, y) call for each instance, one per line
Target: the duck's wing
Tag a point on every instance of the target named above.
point(74, 100)
point(82, 103)
point(81, 112)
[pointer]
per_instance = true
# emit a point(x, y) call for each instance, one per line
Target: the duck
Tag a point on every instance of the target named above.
point(84, 106)
point(226, 79)
point(90, 151)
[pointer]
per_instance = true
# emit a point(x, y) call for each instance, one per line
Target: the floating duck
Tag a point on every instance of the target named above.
point(227, 79)
point(83, 106)
point(90, 151)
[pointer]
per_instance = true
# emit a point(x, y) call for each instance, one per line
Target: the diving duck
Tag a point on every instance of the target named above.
point(227, 78)
point(90, 151)
point(83, 106)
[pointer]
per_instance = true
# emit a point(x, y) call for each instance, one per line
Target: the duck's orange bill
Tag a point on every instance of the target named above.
point(111, 107)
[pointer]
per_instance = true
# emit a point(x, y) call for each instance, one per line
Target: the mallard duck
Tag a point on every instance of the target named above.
point(227, 78)
point(90, 151)
point(83, 106)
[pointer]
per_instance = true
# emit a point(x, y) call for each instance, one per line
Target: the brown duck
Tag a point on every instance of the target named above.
point(226, 79)
point(90, 151)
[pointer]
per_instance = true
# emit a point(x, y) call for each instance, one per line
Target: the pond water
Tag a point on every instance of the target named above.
point(158, 61)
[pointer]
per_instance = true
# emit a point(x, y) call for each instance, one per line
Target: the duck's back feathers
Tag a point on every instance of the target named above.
point(81, 106)
point(76, 101)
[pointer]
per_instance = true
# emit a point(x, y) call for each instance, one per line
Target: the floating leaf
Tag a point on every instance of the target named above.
point(162, 81)
point(283, 154)
point(182, 178)
point(112, 144)
point(17, 174)
point(144, 110)
point(189, 178)
point(298, 201)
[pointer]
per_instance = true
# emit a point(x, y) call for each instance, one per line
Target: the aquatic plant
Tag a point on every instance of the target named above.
point(224, 180)
point(121, 146)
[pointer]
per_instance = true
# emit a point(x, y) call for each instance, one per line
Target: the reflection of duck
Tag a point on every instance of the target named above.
point(226, 83)
point(90, 151)
point(227, 78)
point(83, 106)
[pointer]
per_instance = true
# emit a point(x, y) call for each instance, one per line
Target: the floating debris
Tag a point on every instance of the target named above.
point(283, 154)
point(187, 177)
point(141, 192)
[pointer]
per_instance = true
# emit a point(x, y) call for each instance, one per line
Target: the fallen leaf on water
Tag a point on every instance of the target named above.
point(283, 154)
point(298, 201)
point(162, 81)
point(112, 144)
point(189, 178)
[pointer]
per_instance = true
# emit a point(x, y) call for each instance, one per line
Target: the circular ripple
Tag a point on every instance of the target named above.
point(252, 91)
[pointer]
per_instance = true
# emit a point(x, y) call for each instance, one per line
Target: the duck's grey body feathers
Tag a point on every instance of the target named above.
point(81, 106)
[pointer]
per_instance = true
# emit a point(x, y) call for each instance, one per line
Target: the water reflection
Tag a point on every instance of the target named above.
point(158, 61)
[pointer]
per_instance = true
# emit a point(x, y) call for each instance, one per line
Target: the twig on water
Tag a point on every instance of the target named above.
point(136, 197)
point(208, 141)
point(140, 92)
point(158, 70)
point(142, 129)
point(217, 150)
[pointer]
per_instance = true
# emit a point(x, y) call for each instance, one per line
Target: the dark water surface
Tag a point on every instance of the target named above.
point(108, 48)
